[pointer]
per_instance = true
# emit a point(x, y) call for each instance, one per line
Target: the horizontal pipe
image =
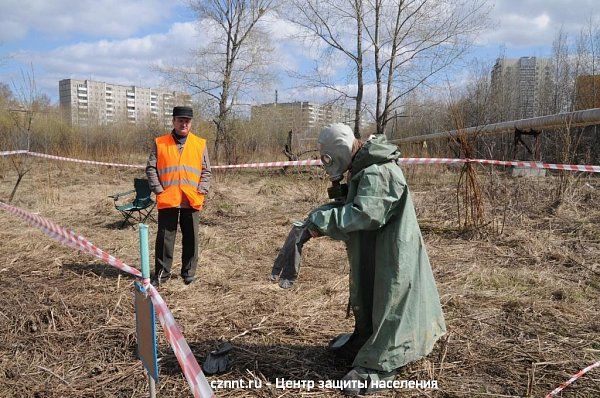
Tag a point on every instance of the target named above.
point(573, 119)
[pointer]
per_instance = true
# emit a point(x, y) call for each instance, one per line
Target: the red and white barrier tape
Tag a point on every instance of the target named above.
point(43, 155)
point(572, 379)
point(69, 238)
point(516, 163)
point(310, 162)
point(192, 371)
point(429, 161)
point(541, 165)
point(316, 162)
point(6, 153)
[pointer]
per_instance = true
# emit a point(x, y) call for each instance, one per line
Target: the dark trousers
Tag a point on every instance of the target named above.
point(165, 241)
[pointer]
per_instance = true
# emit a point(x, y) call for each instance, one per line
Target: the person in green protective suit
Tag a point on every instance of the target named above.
point(396, 306)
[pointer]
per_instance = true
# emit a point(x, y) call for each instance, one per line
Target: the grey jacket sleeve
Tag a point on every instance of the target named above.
point(205, 175)
point(152, 173)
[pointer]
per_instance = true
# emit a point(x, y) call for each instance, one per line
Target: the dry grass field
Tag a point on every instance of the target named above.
point(521, 300)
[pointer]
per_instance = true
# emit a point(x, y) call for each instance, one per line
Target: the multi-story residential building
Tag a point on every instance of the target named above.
point(522, 87)
point(87, 102)
point(304, 118)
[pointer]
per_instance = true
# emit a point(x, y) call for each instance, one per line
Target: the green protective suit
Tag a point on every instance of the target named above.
point(392, 291)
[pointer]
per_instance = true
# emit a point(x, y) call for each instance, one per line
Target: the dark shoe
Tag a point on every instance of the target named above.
point(162, 278)
point(188, 280)
point(363, 381)
point(345, 347)
point(339, 341)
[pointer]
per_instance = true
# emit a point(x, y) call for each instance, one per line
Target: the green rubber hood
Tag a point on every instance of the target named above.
point(374, 151)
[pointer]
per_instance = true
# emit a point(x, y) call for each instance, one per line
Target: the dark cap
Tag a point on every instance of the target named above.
point(183, 111)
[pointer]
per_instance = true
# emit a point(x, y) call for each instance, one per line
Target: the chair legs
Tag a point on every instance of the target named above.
point(127, 216)
point(140, 217)
point(148, 214)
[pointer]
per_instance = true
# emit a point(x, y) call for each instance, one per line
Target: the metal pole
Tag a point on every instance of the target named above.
point(144, 252)
point(144, 258)
point(151, 386)
point(538, 146)
point(574, 119)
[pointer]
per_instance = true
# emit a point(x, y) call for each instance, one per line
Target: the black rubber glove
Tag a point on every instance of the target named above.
point(287, 263)
point(218, 361)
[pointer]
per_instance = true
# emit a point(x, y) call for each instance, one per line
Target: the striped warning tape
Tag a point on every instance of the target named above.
point(536, 165)
point(516, 163)
point(43, 155)
point(192, 371)
point(317, 162)
point(310, 162)
point(6, 153)
point(541, 165)
point(572, 379)
point(429, 160)
point(69, 238)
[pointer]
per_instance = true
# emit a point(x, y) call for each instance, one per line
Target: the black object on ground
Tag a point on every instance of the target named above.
point(218, 361)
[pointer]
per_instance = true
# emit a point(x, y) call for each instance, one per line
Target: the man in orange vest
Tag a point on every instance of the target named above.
point(179, 174)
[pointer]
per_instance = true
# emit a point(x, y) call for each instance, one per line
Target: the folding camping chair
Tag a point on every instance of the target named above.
point(142, 204)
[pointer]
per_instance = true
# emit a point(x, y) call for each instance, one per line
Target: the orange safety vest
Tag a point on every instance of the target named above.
point(179, 174)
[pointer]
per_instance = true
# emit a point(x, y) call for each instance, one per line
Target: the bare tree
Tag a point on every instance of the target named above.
point(23, 114)
point(232, 63)
point(7, 102)
point(339, 25)
point(592, 37)
point(397, 45)
point(413, 40)
point(563, 85)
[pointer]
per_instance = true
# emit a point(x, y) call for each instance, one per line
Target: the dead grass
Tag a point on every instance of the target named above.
point(522, 307)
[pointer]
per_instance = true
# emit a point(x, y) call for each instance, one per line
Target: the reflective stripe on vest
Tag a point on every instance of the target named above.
point(179, 173)
point(172, 169)
point(177, 182)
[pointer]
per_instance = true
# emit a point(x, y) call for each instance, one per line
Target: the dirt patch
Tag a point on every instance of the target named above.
point(522, 306)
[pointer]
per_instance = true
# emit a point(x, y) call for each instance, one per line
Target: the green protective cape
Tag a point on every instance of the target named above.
point(393, 295)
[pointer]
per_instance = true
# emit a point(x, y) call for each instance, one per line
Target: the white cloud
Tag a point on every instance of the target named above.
point(11, 30)
point(279, 28)
point(111, 48)
point(535, 22)
point(542, 21)
point(291, 51)
point(118, 55)
point(133, 60)
point(94, 18)
point(127, 61)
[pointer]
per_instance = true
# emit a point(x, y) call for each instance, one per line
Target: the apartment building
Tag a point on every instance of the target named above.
point(523, 86)
point(88, 102)
point(305, 118)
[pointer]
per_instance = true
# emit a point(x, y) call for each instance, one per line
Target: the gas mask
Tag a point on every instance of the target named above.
point(335, 146)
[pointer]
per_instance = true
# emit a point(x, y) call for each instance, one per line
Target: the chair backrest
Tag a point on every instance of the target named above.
point(143, 196)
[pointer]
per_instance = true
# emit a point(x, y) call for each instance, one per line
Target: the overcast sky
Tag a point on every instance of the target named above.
point(119, 41)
